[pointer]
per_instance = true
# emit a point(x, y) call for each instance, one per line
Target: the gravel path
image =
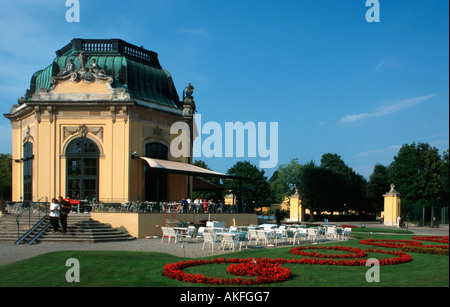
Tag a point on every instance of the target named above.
point(10, 253)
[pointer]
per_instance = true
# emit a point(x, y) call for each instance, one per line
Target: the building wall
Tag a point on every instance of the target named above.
point(117, 132)
point(141, 225)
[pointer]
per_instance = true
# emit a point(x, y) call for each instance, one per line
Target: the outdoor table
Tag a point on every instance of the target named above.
point(181, 229)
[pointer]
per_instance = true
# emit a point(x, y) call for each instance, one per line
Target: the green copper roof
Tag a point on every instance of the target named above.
point(133, 68)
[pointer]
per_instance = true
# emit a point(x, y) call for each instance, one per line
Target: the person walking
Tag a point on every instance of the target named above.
point(54, 214)
point(66, 207)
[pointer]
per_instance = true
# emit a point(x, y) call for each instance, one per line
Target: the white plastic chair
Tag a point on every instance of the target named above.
point(261, 236)
point(231, 240)
point(313, 234)
point(165, 233)
point(173, 234)
point(191, 233)
point(252, 235)
point(300, 235)
point(209, 238)
point(347, 232)
point(331, 233)
point(199, 234)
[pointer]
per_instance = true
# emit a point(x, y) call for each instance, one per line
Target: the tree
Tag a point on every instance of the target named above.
point(285, 180)
point(210, 194)
point(416, 173)
point(444, 176)
point(5, 176)
point(377, 186)
point(321, 189)
point(355, 184)
point(255, 190)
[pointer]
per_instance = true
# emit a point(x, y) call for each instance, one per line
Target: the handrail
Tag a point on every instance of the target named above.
point(28, 209)
point(25, 235)
point(39, 233)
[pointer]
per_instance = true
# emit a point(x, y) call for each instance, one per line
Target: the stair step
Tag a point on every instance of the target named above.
point(80, 228)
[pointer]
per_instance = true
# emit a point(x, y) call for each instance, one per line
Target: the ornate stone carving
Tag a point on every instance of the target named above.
point(82, 131)
point(91, 74)
point(188, 101)
point(28, 136)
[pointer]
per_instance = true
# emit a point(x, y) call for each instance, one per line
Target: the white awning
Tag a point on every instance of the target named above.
point(175, 167)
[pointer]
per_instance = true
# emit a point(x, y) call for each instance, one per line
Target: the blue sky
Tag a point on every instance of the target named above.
point(333, 82)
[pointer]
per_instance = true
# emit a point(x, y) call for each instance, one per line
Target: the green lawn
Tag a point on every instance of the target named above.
point(144, 269)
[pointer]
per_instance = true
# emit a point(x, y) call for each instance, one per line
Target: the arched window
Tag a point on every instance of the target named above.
point(28, 171)
point(82, 169)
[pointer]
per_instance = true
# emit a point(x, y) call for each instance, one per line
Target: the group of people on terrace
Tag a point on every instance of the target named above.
point(200, 205)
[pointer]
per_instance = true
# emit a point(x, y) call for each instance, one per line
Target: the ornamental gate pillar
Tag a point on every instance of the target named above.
point(297, 212)
point(391, 207)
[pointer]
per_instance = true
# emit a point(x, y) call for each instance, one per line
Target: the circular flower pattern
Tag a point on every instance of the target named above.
point(354, 252)
point(265, 272)
point(270, 270)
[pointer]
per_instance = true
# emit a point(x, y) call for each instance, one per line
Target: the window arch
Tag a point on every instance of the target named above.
point(82, 169)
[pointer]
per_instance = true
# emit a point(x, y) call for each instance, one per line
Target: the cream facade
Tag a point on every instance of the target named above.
point(85, 116)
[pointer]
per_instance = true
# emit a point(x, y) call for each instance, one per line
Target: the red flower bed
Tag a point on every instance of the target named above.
point(270, 271)
point(264, 271)
point(354, 252)
point(399, 243)
point(401, 257)
point(349, 226)
point(439, 239)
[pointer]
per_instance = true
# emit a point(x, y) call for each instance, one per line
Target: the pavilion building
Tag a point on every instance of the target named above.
point(86, 116)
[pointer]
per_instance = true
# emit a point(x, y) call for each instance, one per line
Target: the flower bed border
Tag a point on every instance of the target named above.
point(175, 270)
point(354, 251)
point(399, 243)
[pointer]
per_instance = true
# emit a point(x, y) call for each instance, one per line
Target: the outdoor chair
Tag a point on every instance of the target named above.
point(173, 234)
point(242, 237)
point(190, 234)
point(347, 232)
point(339, 233)
point(313, 234)
point(331, 233)
point(252, 235)
point(300, 235)
point(231, 240)
point(200, 232)
point(165, 233)
point(261, 236)
point(209, 238)
point(290, 235)
point(280, 235)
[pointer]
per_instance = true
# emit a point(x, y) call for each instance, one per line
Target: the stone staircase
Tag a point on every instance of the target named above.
point(80, 228)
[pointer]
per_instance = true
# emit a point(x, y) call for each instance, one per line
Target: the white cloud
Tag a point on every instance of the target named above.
point(386, 63)
point(196, 32)
point(386, 109)
point(377, 152)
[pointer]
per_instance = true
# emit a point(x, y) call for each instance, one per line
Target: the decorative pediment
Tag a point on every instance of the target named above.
point(88, 82)
point(90, 74)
